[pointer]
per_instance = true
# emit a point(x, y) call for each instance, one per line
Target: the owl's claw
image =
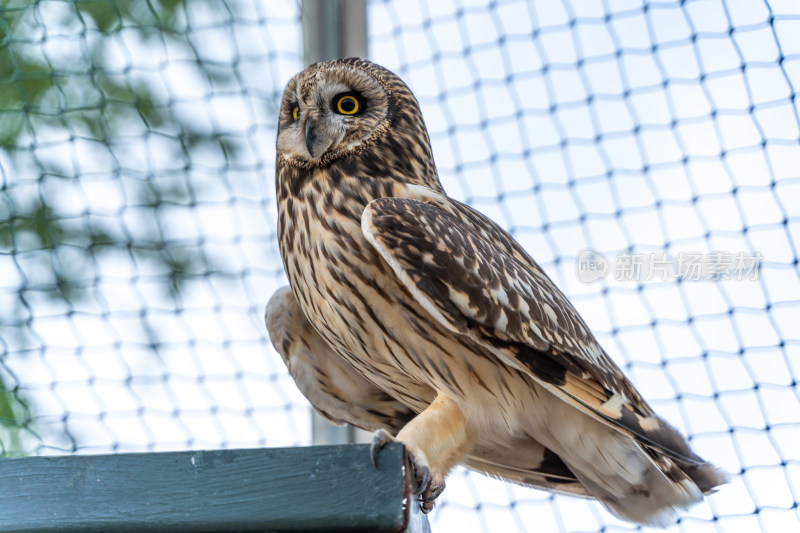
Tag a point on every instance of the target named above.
point(429, 495)
point(424, 486)
point(379, 440)
point(422, 477)
point(434, 490)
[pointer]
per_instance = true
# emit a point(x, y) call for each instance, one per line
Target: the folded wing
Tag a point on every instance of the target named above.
point(475, 280)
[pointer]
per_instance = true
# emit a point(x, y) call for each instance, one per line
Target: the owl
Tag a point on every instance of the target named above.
point(414, 316)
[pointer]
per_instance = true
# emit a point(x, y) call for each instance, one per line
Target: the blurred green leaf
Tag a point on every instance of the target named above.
point(40, 98)
point(96, 106)
point(105, 13)
point(15, 418)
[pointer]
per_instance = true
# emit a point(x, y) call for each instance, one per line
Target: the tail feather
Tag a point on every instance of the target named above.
point(707, 477)
point(661, 490)
point(635, 480)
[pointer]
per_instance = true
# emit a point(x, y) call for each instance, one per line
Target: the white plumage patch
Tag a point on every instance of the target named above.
point(614, 404)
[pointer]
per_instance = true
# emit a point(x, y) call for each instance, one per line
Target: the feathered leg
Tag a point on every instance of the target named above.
point(437, 440)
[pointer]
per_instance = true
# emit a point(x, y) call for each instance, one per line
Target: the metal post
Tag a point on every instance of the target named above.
point(334, 29)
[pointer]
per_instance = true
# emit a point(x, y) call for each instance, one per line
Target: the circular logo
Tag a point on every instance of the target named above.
point(591, 266)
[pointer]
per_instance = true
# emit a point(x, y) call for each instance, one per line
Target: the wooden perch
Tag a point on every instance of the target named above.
point(318, 488)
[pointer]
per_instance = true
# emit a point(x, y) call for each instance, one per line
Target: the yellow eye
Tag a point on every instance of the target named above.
point(295, 111)
point(347, 105)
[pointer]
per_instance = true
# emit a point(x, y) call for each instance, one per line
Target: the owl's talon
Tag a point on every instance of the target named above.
point(379, 440)
point(434, 490)
point(423, 484)
point(422, 477)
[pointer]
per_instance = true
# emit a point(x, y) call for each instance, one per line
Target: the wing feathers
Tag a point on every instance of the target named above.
point(469, 276)
point(529, 463)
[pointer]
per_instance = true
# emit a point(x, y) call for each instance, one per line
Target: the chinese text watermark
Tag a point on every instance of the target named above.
point(592, 266)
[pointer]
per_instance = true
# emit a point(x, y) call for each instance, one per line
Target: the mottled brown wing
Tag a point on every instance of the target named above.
point(332, 386)
point(474, 279)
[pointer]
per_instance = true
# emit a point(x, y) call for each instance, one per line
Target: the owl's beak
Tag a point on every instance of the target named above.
point(310, 137)
point(317, 142)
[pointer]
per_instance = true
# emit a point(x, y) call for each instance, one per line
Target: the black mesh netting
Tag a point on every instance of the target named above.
point(646, 154)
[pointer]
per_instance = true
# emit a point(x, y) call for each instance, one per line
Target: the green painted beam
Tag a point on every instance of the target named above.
point(318, 488)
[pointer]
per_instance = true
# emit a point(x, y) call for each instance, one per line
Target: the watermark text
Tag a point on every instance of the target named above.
point(592, 266)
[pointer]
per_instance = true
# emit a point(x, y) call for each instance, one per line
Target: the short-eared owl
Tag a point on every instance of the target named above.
point(411, 314)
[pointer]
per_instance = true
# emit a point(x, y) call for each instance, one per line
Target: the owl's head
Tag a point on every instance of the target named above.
point(343, 107)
